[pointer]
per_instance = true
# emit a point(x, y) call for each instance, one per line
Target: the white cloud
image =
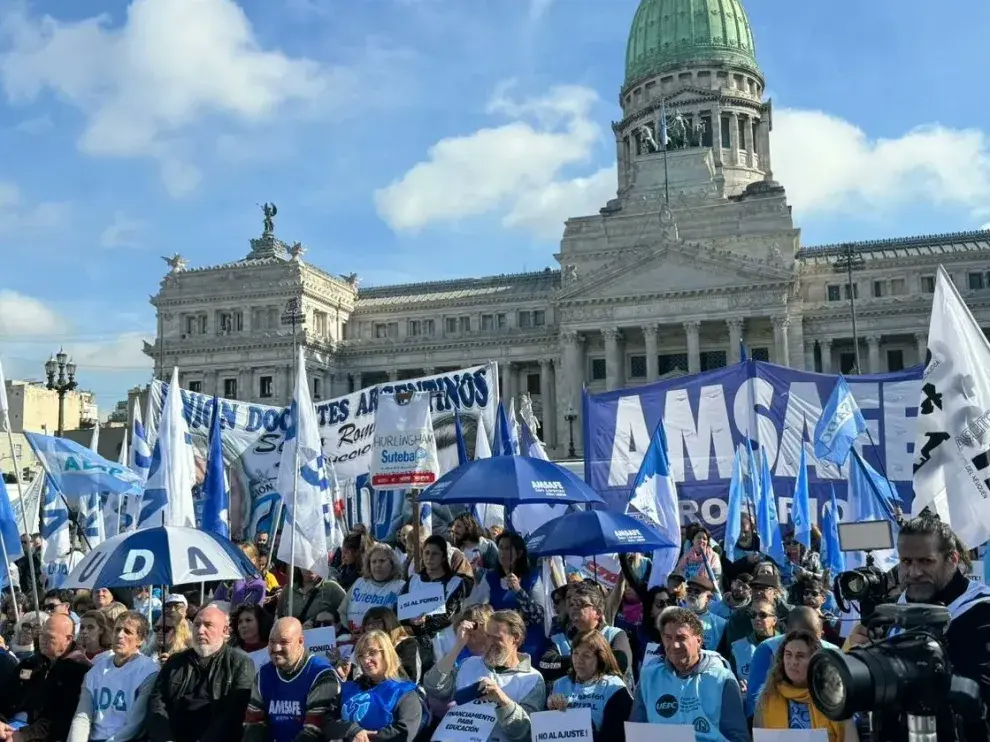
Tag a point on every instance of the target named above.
point(516, 168)
point(17, 216)
point(22, 316)
point(828, 164)
point(124, 352)
point(986, 226)
point(121, 232)
point(141, 89)
point(35, 125)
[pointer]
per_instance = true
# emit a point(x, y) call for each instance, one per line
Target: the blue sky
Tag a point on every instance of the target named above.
point(416, 139)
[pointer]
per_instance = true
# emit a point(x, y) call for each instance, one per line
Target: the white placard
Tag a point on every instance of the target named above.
point(637, 732)
point(653, 654)
point(428, 599)
point(404, 449)
point(472, 722)
point(790, 735)
point(317, 641)
point(551, 726)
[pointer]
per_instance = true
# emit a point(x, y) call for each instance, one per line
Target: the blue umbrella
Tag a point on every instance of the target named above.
point(510, 481)
point(591, 532)
point(166, 555)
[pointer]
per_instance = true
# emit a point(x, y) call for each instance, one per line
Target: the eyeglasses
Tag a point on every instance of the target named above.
point(51, 606)
point(762, 614)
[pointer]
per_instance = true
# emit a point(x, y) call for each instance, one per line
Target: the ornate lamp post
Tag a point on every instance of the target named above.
point(570, 416)
point(61, 372)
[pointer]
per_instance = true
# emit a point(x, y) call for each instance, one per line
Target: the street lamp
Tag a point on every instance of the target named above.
point(570, 416)
point(849, 260)
point(61, 373)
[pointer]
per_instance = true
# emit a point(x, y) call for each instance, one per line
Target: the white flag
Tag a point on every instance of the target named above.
point(302, 483)
point(94, 439)
point(168, 498)
point(4, 407)
point(487, 514)
point(952, 442)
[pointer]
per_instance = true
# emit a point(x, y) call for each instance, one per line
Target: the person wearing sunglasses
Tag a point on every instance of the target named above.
point(742, 650)
point(698, 601)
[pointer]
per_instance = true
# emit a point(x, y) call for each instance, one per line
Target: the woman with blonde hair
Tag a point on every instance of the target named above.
point(172, 639)
point(382, 703)
point(785, 702)
point(594, 681)
point(95, 633)
point(379, 585)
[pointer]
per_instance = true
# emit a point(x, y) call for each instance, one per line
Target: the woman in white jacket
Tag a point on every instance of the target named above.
point(378, 586)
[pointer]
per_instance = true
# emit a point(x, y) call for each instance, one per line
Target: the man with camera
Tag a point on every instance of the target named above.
point(929, 573)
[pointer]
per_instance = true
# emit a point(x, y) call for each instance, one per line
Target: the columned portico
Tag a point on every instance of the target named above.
point(735, 326)
point(873, 345)
point(613, 358)
point(652, 352)
point(692, 329)
point(780, 343)
point(921, 346)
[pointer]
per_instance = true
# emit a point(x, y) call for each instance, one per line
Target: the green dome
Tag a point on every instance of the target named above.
point(667, 34)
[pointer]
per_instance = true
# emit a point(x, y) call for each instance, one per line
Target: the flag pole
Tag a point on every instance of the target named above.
point(295, 471)
point(20, 495)
point(10, 576)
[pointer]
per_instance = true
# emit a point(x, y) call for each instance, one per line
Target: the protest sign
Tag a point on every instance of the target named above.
point(471, 722)
point(552, 726)
point(427, 599)
point(404, 447)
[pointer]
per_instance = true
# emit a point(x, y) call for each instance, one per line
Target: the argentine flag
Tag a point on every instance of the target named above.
point(655, 498)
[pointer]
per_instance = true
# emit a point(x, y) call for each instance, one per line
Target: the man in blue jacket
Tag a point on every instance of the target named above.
point(690, 686)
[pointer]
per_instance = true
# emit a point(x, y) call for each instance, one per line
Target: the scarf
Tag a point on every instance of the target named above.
point(773, 711)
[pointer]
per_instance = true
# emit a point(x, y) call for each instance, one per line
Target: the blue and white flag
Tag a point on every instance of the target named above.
point(767, 523)
point(801, 507)
point(9, 532)
point(503, 445)
point(733, 518)
point(833, 558)
point(302, 483)
point(527, 518)
point(76, 471)
point(140, 458)
point(91, 519)
point(462, 456)
point(655, 498)
point(215, 489)
point(871, 497)
point(487, 514)
point(168, 494)
point(839, 426)
point(54, 524)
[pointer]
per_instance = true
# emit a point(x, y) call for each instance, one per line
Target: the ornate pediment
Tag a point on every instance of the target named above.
point(675, 268)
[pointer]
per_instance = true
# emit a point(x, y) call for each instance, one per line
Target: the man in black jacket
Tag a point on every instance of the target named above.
point(48, 686)
point(929, 571)
point(202, 693)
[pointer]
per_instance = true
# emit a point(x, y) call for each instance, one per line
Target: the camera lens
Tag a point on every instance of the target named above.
point(828, 682)
point(840, 684)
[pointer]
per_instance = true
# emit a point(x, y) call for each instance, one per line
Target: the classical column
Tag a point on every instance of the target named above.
point(765, 165)
point(717, 135)
point(329, 384)
point(748, 140)
point(735, 325)
point(522, 382)
point(613, 358)
point(809, 354)
point(546, 401)
point(620, 159)
point(243, 385)
point(825, 346)
point(393, 374)
point(693, 329)
point(652, 352)
point(509, 385)
point(357, 379)
point(733, 138)
point(873, 343)
point(429, 371)
point(288, 381)
point(921, 345)
point(781, 350)
point(570, 396)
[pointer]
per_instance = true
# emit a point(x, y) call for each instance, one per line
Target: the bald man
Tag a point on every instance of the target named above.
point(49, 683)
point(293, 693)
point(201, 693)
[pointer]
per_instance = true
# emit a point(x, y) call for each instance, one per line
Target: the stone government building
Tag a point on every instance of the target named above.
point(697, 252)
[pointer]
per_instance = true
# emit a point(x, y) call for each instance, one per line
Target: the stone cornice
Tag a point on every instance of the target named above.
point(783, 286)
point(358, 348)
point(701, 95)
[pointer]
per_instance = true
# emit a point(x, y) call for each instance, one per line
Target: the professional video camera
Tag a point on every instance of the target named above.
point(907, 673)
point(868, 586)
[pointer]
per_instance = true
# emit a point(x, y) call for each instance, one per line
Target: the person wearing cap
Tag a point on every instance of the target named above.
point(698, 601)
point(742, 650)
point(739, 596)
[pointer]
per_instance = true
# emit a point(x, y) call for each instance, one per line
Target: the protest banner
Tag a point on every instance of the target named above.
point(706, 416)
point(404, 447)
point(253, 434)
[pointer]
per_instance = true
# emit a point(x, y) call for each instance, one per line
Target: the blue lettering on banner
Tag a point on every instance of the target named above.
point(706, 416)
point(106, 698)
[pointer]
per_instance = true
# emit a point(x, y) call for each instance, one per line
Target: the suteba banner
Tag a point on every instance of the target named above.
point(253, 434)
point(707, 415)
